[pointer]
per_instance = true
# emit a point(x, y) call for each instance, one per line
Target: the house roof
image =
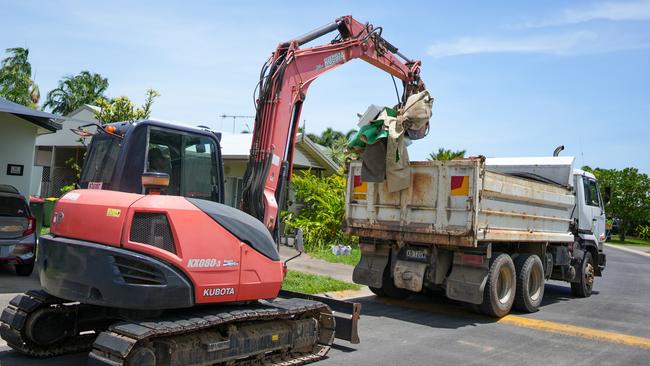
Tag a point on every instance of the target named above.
point(308, 153)
point(39, 118)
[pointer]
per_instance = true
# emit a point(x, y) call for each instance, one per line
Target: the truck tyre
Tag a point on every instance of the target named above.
point(530, 283)
point(388, 288)
point(24, 269)
point(499, 292)
point(377, 291)
point(585, 275)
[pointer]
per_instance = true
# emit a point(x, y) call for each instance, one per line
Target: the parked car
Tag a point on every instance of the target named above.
point(17, 231)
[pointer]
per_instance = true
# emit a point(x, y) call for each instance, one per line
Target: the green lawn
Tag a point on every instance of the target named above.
point(45, 230)
point(314, 284)
point(326, 254)
point(629, 241)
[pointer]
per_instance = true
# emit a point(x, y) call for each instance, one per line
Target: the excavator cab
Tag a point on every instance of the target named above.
point(119, 153)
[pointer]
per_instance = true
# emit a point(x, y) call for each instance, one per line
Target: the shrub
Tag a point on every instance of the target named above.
point(323, 212)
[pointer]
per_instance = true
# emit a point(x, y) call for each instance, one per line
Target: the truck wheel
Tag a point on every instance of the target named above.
point(583, 287)
point(499, 292)
point(530, 283)
point(377, 291)
point(388, 288)
point(24, 269)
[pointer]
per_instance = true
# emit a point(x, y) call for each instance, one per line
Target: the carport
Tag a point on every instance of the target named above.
point(19, 127)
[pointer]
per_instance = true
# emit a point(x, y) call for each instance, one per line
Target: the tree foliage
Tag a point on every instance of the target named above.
point(323, 212)
point(335, 142)
point(445, 154)
point(74, 91)
point(122, 109)
point(16, 82)
point(629, 200)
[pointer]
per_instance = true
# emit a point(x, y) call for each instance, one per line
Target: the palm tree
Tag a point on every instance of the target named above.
point(445, 154)
point(16, 82)
point(75, 91)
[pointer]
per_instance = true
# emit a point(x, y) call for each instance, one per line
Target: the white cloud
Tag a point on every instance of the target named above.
point(566, 43)
point(612, 11)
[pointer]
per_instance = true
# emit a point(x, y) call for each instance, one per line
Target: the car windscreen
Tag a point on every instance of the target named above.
point(13, 206)
point(101, 159)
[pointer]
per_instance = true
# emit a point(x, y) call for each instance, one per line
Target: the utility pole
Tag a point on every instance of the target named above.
point(234, 118)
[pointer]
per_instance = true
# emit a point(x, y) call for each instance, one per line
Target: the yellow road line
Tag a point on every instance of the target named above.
point(537, 324)
point(576, 331)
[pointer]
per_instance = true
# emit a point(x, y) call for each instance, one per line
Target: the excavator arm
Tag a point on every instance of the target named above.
point(284, 81)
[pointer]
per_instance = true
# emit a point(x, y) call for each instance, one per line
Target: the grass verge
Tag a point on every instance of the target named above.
point(314, 284)
point(326, 255)
point(45, 230)
point(630, 241)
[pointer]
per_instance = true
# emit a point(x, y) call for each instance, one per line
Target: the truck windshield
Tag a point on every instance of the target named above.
point(101, 159)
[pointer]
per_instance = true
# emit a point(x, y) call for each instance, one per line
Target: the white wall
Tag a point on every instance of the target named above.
point(17, 139)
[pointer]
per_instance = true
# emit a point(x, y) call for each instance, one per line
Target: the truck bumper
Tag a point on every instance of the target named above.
point(103, 275)
point(602, 262)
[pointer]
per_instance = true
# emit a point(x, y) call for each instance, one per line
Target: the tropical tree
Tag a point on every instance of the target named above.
point(122, 109)
point(335, 142)
point(16, 82)
point(445, 154)
point(75, 91)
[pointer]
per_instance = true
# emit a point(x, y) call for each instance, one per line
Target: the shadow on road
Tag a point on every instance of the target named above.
point(435, 310)
point(11, 283)
point(10, 358)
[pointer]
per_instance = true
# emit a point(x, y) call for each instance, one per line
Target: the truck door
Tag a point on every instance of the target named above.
point(594, 208)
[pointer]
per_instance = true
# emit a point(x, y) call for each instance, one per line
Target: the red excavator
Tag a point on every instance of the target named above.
point(146, 266)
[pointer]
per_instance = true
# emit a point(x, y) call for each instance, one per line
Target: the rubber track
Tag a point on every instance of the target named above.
point(13, 319)
point(113, 346)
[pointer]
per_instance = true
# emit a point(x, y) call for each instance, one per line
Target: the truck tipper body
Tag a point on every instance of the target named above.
point(487, 231)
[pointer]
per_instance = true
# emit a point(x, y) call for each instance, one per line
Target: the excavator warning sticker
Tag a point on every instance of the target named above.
point(113, 212)
point(459, 185)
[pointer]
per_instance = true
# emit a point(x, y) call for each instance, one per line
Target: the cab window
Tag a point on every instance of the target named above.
point(199, 168)
point(592, 195)
point(190, 160)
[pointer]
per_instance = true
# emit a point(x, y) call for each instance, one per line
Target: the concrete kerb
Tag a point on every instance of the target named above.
point(625, 249)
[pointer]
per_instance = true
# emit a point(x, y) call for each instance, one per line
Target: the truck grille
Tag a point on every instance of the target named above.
point(138, 273)
point(152, 229)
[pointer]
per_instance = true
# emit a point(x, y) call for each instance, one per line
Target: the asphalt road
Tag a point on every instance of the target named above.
point(610, 328)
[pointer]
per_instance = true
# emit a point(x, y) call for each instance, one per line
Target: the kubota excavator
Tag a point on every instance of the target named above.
point(146, 266)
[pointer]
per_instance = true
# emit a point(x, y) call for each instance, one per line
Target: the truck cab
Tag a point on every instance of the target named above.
point(121, 152)
point(589, 217)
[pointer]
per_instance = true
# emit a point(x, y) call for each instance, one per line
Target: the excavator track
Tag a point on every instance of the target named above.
point(13, 326)
point(278, 332)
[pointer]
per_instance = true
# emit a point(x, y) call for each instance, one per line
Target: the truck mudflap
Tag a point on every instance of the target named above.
point(468, 278)
point(346, 314)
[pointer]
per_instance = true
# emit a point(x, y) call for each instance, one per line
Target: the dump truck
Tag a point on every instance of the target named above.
point(488, 232)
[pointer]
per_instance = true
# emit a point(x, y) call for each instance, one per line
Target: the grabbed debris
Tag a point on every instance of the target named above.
point(382, 141)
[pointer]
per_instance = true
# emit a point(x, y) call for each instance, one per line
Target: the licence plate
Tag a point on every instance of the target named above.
point(6, 250)
point(418, 255)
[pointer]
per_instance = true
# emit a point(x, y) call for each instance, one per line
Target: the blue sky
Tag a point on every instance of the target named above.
point(509, 78)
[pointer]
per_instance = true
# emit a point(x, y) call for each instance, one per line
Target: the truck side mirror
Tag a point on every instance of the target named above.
point(607, 194)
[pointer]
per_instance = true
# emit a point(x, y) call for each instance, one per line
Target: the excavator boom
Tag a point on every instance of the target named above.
point(283, 85)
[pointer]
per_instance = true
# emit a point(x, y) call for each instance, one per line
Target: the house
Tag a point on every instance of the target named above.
point(235, 149)
point(20, 127)
point(55, 153)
